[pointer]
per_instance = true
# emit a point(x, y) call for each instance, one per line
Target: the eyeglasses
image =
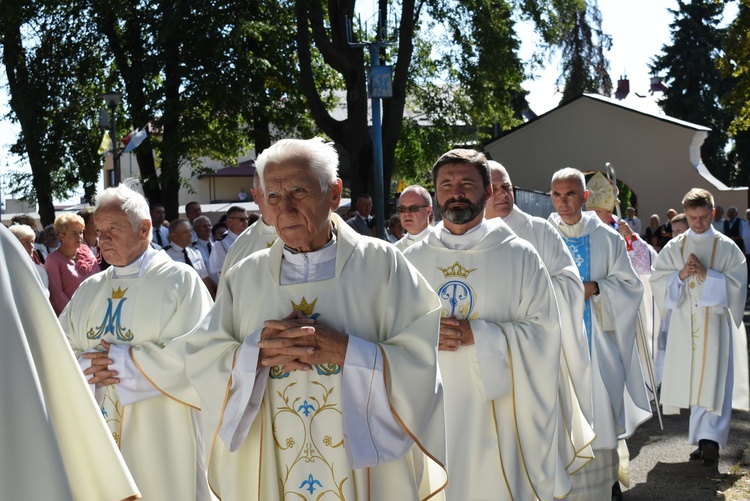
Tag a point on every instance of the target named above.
point(246, 219)
point(411, 208)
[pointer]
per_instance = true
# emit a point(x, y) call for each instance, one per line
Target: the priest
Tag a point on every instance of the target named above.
point(576, 416)
point(317, 365)
point(119, 324)
point(612, 293)
point(52, 436)
point(701, 280)
point(499, 343)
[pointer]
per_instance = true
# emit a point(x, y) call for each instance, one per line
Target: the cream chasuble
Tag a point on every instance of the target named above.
point(576, 405)
point(52, 436)
point(156, 435)
point(294, 448)
point(257, 236)
point(410, 239)
point(706, 316)
point(501, 394)
point(621, 403)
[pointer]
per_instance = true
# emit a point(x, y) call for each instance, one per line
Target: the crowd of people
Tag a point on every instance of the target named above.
point(492, 355)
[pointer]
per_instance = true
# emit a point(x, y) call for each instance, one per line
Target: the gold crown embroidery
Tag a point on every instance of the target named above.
point(305, 307)
point(456, 270)
point(119, 293)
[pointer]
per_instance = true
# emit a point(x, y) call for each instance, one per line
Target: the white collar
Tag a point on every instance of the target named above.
point(465, 241)
point(322, 255)
point(709, 233)
point(137, 267)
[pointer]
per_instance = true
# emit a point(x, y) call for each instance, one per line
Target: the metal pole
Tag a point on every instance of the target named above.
point(115, 157)
point(377, 152)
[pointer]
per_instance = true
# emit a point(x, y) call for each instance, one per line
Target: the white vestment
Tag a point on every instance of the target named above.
point(621, 401)
point(257, 236)
point(706, 346)
point(576, 404)
point(295, 433)
point(54, 442)
point(410, 239)
point(501, 392)
point(152, 412)
point(219, 254)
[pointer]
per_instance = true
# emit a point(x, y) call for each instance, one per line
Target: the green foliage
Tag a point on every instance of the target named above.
point(584, 66)
point(689, 66)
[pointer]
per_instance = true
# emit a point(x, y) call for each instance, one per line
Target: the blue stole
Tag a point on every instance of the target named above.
point(581, 251)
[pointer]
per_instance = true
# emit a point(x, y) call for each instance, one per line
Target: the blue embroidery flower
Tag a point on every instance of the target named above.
point(311, 484)
point(306, 408)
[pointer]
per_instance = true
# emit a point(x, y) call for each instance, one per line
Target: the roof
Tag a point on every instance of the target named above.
point(627, 106)
point(244, 169)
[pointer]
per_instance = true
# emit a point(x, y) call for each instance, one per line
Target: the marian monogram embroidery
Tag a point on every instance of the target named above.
point(111, 323)
point(458, 297)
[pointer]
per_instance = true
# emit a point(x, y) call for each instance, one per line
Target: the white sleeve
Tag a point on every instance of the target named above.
point(245, 393)
point(133, 386)
point(491, 351)
point(372, 435)
point(96, 389)
point(674, 291)
point(714, 290)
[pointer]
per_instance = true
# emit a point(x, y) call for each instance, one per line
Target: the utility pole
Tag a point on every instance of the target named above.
point(380, 86)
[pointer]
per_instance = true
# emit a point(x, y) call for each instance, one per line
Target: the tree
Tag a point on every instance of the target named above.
point(735, 66)
point(584, 66)
point(51, 95)
point(695, 85)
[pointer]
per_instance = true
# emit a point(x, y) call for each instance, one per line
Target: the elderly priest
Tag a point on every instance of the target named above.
point(317, 366)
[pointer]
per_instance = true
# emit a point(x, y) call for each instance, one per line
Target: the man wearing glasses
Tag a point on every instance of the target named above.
point(415, 211)
point(236, 223)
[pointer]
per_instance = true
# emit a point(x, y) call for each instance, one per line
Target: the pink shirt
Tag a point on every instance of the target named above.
point(65, 275)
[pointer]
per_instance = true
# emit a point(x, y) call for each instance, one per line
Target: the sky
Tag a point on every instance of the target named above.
point(639, 30)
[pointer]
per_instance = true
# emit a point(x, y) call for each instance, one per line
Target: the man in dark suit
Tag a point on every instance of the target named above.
point(362, 223)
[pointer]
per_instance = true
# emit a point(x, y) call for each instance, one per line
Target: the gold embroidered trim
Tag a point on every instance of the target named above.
point(705, 330)
point(157, 386)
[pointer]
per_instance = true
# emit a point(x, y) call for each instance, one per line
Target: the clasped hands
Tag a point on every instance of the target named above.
point(100, 362)
point(454, 333)
point(693, 266)
point(298, 342)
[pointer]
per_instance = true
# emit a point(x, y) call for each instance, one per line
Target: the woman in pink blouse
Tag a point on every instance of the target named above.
point(71, 263)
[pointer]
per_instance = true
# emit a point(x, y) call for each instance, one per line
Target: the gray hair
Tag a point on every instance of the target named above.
point(177, 223)
point(320, 157)
point(205, 219)
point(419, 190)
point(22, 231)
point(569, 173)
point(125, 198)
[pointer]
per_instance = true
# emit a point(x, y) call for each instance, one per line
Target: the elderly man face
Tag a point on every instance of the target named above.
point(731, 213)
point(237, 222)
point(297, 207)
point(501, 202)
point(120, 243)
point(202, 228)
point(182, 235)
point(413, 221)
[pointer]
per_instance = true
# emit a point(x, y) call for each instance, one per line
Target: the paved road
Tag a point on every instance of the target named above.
point(659, 465)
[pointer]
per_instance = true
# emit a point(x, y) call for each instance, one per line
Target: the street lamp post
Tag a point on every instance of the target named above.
point(112, 99)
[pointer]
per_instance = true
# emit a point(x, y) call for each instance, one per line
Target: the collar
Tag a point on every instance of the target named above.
point(465, 241)
point(419, 236)
point(322, 255)
point(137, 267)
point(709, 233)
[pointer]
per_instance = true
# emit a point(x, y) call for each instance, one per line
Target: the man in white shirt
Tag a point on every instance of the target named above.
point(633, 221)
point(236, 222)
point(181, 251)
point(288, 367)
point(415, 211)
point(202, 243)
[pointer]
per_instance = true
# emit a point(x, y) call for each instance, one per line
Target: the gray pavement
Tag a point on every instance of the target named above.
point(659, 465)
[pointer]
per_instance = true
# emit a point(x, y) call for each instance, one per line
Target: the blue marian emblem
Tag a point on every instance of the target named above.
point(111, 323)
point(581, 251)
point(460, 297)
